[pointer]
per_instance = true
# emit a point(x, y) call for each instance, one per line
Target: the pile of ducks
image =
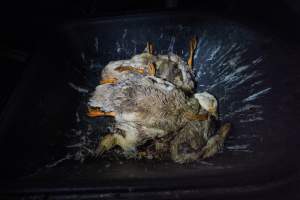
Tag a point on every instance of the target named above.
point(155, 109)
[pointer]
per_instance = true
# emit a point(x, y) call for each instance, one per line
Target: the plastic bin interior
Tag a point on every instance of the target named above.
point(252, 74)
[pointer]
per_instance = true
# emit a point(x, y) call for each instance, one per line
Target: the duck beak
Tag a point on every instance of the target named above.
point(196, 117)
point(215, 114)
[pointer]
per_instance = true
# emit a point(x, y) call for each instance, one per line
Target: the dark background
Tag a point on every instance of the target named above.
point(23, 24)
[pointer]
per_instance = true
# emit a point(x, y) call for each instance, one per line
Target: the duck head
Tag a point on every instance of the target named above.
point(208, 102)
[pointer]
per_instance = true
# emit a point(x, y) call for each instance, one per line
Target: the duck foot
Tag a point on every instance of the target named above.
point(192, 48)
point(149, 47)
point(96, 112)
point(109, 81)
point(151, 69)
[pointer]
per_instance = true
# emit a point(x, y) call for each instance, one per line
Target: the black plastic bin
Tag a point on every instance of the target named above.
point(253, 75)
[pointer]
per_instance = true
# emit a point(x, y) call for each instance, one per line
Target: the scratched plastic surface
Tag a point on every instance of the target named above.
point(251, 74)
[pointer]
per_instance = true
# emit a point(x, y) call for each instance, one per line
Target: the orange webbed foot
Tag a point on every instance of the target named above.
point(192, 48)
point(96, 112)
point(111, 80)
point(151, 69)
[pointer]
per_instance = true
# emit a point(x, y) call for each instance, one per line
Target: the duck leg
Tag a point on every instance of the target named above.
point(96, 112)
point(151, 67)
point(149, 47)
point(215, 143)
point(192, 48)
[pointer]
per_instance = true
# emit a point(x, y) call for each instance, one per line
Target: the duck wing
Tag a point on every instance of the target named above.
point(148, 101)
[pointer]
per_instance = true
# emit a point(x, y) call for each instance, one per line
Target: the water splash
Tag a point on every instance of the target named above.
point(257, 95)
point(124, 34)
point(223, 69)
point(171, 46)
point(77, 88)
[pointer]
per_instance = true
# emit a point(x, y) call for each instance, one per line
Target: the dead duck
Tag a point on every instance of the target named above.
point(169, 67)
point(197, 139)
point(144, 109)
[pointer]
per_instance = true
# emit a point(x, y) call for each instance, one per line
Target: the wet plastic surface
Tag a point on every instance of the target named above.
point(253, 76)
